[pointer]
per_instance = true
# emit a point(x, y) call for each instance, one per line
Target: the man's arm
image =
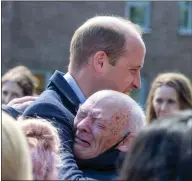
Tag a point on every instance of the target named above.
point(70, 170)
point(16, 107)
point(11, 111)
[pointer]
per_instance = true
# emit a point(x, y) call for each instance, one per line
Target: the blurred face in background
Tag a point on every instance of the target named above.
point(10, 90)
point(165, 101)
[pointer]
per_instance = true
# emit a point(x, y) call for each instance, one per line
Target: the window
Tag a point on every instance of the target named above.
point(139, 13)
point(185, 17)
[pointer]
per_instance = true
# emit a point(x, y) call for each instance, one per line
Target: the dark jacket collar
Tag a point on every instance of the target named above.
point(64, 88)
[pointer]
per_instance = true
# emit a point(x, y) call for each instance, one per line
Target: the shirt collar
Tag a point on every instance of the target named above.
point(75, 87)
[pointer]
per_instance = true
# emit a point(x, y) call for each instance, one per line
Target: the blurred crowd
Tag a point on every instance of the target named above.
point(86, 126)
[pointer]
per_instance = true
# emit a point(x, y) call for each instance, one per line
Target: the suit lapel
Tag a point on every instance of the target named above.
point(66, 92)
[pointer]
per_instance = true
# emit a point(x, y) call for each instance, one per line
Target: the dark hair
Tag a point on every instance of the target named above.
point(162, 151)
point(94, 35)
point(23, 77)
point(177, 81)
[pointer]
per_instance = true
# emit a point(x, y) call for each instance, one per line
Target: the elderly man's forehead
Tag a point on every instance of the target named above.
point(100, 105)
point(93, 101)
point(108, 107)
point(89, 102)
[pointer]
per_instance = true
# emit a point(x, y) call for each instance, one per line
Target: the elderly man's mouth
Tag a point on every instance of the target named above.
point(83, 143)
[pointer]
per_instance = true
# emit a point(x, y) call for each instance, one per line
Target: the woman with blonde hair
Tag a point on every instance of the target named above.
point(44, 144)
point(16, 161)
point(170, 92)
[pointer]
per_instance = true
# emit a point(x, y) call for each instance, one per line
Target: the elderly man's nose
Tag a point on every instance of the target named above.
point(84, 125)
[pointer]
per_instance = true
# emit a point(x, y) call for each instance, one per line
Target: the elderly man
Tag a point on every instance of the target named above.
point(106, 52)
point(107, 120)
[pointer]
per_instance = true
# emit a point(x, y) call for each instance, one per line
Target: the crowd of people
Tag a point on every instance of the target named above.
point(85, 126)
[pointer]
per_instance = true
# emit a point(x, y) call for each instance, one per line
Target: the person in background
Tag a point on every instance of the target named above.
point(44, 143)
point(169, 92)
point(18, 82)
point(161, 151)
point(16, 161)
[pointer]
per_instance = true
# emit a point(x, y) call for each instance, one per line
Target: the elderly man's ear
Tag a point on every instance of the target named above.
point(125, 145)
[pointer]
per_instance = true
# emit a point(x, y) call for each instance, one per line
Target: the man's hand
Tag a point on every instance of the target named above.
point(21, 103)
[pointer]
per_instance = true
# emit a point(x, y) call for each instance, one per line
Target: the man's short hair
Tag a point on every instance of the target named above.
point(100, 33)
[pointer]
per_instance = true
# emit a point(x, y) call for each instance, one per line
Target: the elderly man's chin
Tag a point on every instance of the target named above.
point(81, 152)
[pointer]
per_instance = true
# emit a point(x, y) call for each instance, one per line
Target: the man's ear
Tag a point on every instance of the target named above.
point(125, 145)
point(100, 60)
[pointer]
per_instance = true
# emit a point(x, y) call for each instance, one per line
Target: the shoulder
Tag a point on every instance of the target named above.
point(49, 105)
point(11, 111)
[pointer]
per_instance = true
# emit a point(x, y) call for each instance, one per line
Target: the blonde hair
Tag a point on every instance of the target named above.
point(44, 144)
point(16, 161)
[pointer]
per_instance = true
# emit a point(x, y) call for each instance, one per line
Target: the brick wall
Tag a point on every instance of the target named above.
point(37, 34)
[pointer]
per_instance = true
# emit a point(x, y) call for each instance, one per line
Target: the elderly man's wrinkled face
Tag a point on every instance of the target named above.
point(99, 125)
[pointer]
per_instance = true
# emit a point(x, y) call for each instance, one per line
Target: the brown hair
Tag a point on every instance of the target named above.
point(179, 82)
point(23, 77)
point(96, 34)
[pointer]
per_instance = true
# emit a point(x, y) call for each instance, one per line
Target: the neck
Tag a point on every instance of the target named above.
point(84, 80)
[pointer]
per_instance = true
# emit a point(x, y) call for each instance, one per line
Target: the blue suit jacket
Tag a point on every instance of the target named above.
point(59, 104)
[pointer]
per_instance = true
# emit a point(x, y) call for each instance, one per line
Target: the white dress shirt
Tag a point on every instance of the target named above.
point(70, 80)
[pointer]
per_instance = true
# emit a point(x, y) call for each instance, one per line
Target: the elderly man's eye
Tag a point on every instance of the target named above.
point(101, 126)
point(81, 115)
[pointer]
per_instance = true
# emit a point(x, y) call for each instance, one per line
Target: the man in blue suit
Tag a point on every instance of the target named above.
point(106, 52)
